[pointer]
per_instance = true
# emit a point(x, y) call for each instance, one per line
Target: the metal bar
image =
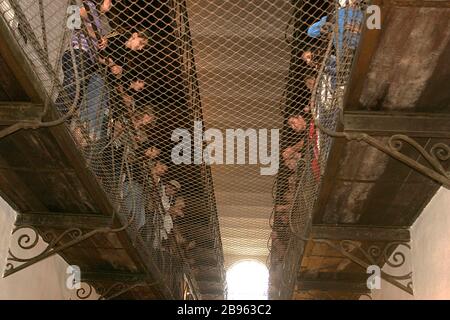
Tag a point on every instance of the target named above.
point(43, 28)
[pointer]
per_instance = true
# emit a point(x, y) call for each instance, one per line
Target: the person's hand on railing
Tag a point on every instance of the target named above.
point(103, 43)
point(326, 28)
point(105, 6)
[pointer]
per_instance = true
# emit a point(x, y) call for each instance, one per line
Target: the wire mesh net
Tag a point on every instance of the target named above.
point(128, 74)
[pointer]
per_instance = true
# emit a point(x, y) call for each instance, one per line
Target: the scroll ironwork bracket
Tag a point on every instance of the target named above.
point(56, 244)
point(435, 157)
point(115, 290)
point(376, 256)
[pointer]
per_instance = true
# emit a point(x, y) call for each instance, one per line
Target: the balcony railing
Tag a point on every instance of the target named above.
point(324, 38)
point(113, 121)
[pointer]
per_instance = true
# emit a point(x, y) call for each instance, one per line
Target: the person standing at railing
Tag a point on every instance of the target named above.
point(349, 23)
point(303, 125)
point(124, 81)
point(85, 45)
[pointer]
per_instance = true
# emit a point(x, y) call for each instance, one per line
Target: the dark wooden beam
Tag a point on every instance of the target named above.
point(113, 276)
point(420, 3)
point(386, 124)
point(368, 46)
point(16, 61)
point(63, 221)
point(351, 286)
point(360, 233)
point(13, 112)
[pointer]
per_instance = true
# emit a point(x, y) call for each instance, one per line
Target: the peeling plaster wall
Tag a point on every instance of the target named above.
point(45, 280)
point(430, 254)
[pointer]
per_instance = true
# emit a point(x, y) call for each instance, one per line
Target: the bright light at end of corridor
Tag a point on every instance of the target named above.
point(248, 280)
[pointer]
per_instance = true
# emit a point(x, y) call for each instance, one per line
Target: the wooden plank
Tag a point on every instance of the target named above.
point(63, 221)
point(389, 123)
point(13, 112)
point(107, 275)
point(20, 195)
point(332, 286)
point(420, 3)
point(368, 46)
point(15, 60)
point(360, 233)
point(10, 87)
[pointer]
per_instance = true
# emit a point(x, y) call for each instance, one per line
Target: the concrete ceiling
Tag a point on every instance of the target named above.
point(242, 60)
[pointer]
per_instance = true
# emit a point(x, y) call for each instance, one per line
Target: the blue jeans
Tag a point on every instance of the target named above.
point(94, 113)
point(134, 203)
point(96, 97)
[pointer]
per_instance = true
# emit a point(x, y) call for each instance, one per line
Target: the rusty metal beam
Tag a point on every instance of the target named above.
point(360, 233)
point(387, 124)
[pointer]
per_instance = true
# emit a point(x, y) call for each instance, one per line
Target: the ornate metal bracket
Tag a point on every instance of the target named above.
point(107, 293)
point(438, 153)
point(379, 256)
point(56, 244)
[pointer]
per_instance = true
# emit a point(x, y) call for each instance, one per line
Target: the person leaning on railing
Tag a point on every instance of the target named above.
point(302, 124)
point(85, 46)
point(349, 20)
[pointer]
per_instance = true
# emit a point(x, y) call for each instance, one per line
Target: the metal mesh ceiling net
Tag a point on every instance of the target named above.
point(128, 74)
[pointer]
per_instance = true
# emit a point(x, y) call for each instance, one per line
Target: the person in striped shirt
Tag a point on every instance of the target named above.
point(85, 44)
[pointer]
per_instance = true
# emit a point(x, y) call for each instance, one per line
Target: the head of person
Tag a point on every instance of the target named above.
point(310, 82)
point(177, 209)
point(297, 123)
point(137, 41)
point(160, 169)
point(288, 153)
point(137, 85)
point(152, 152)
point(142, 119)
point(308, 57)
point(291, 163)
point(350, 3)
point(172, 188)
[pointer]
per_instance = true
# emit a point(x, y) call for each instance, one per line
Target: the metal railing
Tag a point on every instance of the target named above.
point(115, 173)
point(329, 67)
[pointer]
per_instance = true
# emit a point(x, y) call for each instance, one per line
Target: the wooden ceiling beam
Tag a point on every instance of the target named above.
point(359, 287)
point(360, 233)
point(13, 112)
point(113, 276)
point(389, 123)
point(60, 220)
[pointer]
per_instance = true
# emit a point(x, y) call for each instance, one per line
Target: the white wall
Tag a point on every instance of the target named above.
point(45, 280)
point(430, 254)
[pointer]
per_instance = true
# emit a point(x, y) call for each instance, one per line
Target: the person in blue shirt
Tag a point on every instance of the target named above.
point(349, 26)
